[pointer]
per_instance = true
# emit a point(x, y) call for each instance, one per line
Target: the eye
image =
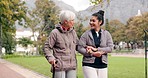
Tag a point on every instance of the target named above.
point(92, 20)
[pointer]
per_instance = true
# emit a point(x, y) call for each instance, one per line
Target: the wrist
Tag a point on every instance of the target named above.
point(102, 52)
point(95, 49)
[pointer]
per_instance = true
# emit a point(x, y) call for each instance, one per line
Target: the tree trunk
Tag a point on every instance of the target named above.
point(128, 47)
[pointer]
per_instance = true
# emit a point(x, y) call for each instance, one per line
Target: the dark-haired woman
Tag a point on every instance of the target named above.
point(94, 45)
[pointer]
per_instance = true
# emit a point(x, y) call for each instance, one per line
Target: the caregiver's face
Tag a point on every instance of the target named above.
point(94, 22)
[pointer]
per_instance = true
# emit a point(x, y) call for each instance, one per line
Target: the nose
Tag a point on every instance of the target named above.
point(90, 23)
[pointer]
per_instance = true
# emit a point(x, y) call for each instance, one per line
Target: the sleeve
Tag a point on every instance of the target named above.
point(82, 45)
point(110, 44)
point(48, 47)
point(77, 41)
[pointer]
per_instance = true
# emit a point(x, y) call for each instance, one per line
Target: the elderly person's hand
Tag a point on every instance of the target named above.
point(53, 63)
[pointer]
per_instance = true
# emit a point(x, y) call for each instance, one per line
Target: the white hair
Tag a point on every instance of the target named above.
point(66, 15)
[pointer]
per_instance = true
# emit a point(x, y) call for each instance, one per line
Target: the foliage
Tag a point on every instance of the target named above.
point(47, 13)
point(98, 1)
point(136, 26)
point(10, 12)
point(132, 32)
point(25, 42)
point(43, 20)
point(114, 28)
point(9, 42)
point(79, 29)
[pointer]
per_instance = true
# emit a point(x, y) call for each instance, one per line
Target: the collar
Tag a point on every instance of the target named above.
point(61, 28)
point(93, 31)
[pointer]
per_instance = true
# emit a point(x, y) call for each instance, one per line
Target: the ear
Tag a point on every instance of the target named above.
point(100, 22)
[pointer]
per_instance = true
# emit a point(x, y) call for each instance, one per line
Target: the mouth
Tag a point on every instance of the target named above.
point(92, 25)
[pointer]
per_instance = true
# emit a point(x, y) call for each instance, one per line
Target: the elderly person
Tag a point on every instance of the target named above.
point(60, 47)
point(94, 45)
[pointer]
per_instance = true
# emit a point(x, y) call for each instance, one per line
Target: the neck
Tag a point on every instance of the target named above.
point(65, 27)
point(97, 29)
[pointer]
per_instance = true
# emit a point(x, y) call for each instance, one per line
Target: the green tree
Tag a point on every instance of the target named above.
point(79, 29)
point(135, 27)
point(10, 12)
point(43, 20)
point(8, 42)
point(24, 42)
point(116, 28)
point(47, 13)
point(98, 2)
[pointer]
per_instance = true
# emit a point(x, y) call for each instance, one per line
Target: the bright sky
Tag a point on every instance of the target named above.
point(78, 4)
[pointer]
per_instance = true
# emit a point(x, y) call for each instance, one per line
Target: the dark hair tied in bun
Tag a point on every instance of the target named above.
point(100, 16)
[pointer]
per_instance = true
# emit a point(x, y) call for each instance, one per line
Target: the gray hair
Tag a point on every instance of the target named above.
point(66, 15)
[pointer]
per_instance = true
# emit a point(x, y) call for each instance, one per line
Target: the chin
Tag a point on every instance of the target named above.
point(92, 27)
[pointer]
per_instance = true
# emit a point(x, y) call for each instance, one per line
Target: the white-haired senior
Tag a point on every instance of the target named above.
point(62, 41)
point(66, 15)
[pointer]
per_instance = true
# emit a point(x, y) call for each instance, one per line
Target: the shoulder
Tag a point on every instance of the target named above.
point(106, 34)
point(87, 32)
point(105, 31)
point(53, 32)
point(74, 33)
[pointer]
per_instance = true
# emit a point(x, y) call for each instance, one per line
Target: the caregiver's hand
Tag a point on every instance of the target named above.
point(97, 54)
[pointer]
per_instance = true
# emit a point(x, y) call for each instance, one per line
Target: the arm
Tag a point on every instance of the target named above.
point(82, 45)
point(77, 41)
point(48, 46)
point(110, 45)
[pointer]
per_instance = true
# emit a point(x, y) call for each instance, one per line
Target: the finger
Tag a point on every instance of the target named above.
point(55, 65)
point(88, 51)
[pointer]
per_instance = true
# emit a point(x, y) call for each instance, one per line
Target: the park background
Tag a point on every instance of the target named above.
point(26, 24)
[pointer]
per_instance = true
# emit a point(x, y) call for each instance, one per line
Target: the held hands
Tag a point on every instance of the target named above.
point(90, 49)
point(97, 54)
point(94, 51)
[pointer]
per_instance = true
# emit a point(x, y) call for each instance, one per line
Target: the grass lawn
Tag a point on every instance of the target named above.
point(119, 67)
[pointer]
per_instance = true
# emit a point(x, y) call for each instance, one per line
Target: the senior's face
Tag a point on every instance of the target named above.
point(70, 23)
point(94, 22)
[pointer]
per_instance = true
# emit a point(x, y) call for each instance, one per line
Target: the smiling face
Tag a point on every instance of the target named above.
point(69, 23)
point(67, 18)
point(94, 22)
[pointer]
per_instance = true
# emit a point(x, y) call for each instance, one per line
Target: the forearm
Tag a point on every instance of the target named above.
point(83, 51)
point(105, 49)
point(48, 53)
